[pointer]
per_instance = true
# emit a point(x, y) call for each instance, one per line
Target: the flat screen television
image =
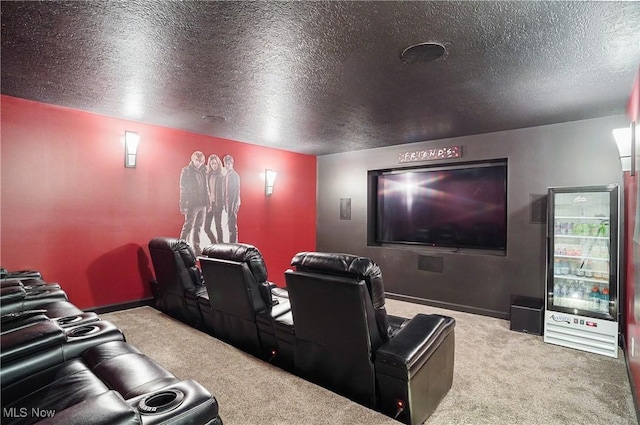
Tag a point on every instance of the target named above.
point(461, 206)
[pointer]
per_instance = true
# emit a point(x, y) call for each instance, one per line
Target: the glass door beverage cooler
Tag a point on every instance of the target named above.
point(582, 269)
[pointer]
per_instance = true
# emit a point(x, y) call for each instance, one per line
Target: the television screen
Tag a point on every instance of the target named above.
point(460, 207)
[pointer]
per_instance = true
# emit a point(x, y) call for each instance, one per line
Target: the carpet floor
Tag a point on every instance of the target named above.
point(501, 377)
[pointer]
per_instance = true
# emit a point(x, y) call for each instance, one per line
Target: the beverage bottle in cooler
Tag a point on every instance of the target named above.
point(586, 293)
point(557, 292)
point(594, 299)
point(604, 300)
point(603, 230)
point(604, 251)
point(579, 292)
point(602, 270)
point(572, 291)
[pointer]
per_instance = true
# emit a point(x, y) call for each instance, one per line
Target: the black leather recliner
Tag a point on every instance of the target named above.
point(240, 306)
point(109, 383)
point(28, 283)
point(179, 281)
point(346, 342)
point(17, 298)
point(19, 274)
point(89, 374)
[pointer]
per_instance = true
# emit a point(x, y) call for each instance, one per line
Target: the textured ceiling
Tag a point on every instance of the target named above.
point(325, 77)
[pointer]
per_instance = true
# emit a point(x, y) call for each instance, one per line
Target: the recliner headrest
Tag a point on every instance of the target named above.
point(242, 253)
point(166, 243)
point(341, 264)
point(179, 246)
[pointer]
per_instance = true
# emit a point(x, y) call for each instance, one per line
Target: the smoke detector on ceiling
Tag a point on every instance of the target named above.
point(422, 52)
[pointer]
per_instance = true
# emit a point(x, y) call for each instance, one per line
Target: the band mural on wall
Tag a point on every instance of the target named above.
point(209, 200)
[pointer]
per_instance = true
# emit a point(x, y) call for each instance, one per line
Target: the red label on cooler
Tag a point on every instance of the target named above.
point(592, 324)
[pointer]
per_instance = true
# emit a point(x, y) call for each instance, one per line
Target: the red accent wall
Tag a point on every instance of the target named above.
point(71, 209)
point(632, 262)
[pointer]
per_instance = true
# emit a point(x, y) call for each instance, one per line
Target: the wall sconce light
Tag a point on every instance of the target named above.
point(269, 181)
point(626, 139)
point(131, 140)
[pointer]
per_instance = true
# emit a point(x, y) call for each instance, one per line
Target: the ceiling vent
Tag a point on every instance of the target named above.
point(422, 52)
point(214, 119)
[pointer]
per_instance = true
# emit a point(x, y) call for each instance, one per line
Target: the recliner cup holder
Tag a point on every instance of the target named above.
point(83, 331)
point(161, 402)
point(68, 319)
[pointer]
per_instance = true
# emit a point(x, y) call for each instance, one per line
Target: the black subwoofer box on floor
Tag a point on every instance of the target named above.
point(526, 315)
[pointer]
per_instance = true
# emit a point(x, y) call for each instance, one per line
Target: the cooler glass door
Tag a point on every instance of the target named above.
point(582, 271)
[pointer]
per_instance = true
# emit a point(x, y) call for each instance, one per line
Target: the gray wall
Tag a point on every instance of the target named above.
point(570, 154)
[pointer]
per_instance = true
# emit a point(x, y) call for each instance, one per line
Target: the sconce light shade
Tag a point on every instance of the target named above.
point(269, 181)
point(625, 144)
point(131, 140)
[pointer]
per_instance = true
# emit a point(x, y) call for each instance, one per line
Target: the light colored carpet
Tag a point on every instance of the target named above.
point(507, 377)
point(501, 377)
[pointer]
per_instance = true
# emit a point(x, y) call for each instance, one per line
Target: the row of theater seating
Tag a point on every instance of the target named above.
point(329, 325)
point(60, 365)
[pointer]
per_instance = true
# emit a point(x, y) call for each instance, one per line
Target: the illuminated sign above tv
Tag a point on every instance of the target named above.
point(431, 154)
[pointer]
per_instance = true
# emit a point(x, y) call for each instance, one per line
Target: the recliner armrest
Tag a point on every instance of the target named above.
point(22, 342)
point(277, 291)
point(11, 294)
point(33, 348)
point(180, 402)
point(82, 337)
point(18, 319)
point(18, 298)
point(10, 282)
point(411, 347)
point(45, 292)
point(106, 409)
point(21, 274)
